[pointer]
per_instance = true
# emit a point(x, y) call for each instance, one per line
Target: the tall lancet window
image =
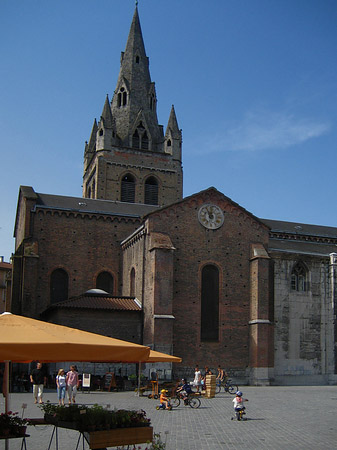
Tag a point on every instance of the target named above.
point(210, 303)
point(58, 286)
point(151, 191)
point(128, 189)
point(132, 283)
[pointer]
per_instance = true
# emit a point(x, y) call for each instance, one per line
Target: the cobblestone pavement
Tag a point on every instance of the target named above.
point(295, 417)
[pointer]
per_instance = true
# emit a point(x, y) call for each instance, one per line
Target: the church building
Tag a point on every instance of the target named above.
point(197, 277)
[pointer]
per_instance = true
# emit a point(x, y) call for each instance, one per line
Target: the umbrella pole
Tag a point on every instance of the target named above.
point(139, 369)
point(6, 394)
point(6, 387)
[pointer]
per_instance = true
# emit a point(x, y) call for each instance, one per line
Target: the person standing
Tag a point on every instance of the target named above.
point(197, 378)
point(38, 378)
point(61, 386)
point(72, 383)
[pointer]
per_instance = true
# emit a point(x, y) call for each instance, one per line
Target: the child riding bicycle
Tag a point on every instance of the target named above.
point(239, 407)
point(164, 400)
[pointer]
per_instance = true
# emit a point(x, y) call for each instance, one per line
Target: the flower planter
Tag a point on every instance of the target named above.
point(118, 436)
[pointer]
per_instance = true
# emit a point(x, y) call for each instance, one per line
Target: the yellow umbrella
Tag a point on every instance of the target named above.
point(162, 357)
point(23, 340)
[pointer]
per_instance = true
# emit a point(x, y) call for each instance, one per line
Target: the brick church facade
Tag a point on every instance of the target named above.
point(198, 277)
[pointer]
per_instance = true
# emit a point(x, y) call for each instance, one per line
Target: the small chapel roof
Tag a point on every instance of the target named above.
point(99, 301)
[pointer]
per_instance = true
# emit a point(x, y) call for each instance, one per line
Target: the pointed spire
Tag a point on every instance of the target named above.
point(91, 146)
point(106, 114)
point(173, 124)
point(134, 55)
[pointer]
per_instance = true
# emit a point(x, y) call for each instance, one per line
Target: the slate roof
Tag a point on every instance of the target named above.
point(300, 238)
point(88, 205)
point(300, 228)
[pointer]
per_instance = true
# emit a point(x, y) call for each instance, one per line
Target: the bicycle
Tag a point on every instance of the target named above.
point(227, 386)
point(192, 401)
point(239, 414)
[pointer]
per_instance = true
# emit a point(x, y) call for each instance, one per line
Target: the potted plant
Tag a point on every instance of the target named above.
point(101, 427)
point(11, 425)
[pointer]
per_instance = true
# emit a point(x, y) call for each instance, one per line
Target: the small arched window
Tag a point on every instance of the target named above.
point(122, 97)
point(137, 59)
point(210, 303)
point(128, 189)
point(132, 283)
point(299, 278)
point(105, 282)
point(58, 286)
point(151, 191)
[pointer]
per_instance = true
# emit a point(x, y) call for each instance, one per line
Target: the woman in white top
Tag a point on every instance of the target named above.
point(61, 386)
point(197, 378)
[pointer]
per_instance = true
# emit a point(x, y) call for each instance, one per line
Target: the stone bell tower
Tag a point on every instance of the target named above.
point(128, 157)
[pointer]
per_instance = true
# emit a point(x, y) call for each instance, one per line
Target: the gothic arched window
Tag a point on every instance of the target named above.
point(122, 97)
point(210, 303)
point(151, 191)
point(299, 278)
point(140, 138)
point(132, 283)
point(58, 286)
point(105, 281)
point(128, 189)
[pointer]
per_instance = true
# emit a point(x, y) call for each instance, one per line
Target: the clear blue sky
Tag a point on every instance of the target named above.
point(253, 83)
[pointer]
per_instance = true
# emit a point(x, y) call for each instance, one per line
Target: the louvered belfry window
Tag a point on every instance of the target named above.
point(151, 191)
point(128, 189)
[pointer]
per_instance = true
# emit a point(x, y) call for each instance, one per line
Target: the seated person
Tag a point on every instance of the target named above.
point(185, 390)
point(164, 399)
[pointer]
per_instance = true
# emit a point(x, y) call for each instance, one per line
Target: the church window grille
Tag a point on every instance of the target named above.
point(105, 281)
point(59, 286)
point(151, 191)
point(133, 283)
point(299, 278)
point(128, 189)
point(210, 303)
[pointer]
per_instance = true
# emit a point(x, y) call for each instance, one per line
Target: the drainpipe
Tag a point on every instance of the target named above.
point(332, 270)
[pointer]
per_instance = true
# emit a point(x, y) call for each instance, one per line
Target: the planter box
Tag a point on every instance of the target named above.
point(119, 436)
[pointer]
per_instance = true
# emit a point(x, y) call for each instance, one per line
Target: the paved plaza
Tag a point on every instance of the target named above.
point(295, 417)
